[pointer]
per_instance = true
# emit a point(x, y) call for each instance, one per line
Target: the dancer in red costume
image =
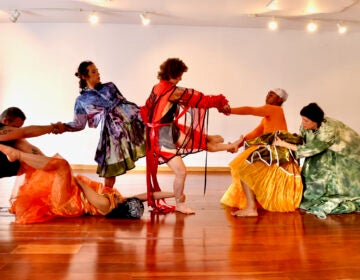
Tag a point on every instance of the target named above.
point(175, 119)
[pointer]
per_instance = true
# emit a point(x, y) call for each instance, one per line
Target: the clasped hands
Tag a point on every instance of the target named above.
point(58, 128)
point(226, 110)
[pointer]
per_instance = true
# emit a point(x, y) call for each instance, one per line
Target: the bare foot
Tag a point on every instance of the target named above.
point(183, 208)
point(11, 153)
point(234, 147)
point(247, 212)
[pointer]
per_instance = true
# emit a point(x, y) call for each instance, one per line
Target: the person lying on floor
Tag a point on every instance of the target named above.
point(49, 190)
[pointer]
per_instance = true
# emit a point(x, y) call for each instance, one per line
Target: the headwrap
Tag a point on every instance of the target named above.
point(281, 93)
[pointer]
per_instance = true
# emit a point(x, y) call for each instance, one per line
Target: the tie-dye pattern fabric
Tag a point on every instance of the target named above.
point(331, 170)
point(122, 135)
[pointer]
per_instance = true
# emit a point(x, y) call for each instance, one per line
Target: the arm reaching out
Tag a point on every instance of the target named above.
point(13, 133)
point(281, 143)
point(99, 201)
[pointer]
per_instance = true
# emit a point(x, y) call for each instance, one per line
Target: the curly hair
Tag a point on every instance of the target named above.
point(83, 71)
point(172, 68)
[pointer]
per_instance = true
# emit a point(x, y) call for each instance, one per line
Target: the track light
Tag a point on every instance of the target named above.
point(312, 26)
point(342, 29)
point(145, 19)
point(14, 16)
point(273, 24)
point(93, 18)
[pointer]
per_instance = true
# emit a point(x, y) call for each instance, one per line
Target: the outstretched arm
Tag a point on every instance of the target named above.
point(262, 111)
point(101, 202)
point(13, 133)
point(281, 143)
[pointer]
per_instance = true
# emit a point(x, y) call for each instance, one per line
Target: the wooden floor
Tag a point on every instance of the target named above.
point(208, 245)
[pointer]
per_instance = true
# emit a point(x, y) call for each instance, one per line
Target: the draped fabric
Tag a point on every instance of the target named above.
point(331, 169)
point(269, 153)
point(175, 120)
point(44, 194)
point(122, 134)
point(272, 172)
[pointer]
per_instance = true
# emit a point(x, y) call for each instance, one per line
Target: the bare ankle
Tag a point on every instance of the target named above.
point(183, 208)
point(181, 199)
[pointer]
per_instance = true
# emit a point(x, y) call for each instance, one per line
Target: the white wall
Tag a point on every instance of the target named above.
point(38, 62)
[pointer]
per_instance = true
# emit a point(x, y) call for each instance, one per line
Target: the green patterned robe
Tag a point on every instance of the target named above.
point(331, 170)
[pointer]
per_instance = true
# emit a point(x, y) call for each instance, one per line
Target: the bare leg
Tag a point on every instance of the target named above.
point(215, 138)
point(251, 209)
point(156, 195)
point(35, 161)
point(11, 153)
point(109, 182)
point(213, 146)
point(177, 165)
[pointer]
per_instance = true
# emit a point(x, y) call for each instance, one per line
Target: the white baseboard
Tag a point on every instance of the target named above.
point(142, 169)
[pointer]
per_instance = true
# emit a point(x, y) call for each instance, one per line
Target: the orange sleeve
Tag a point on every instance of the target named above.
point(273, 119)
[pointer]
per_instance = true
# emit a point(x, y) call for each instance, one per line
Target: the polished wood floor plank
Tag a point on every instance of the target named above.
point(211, 244)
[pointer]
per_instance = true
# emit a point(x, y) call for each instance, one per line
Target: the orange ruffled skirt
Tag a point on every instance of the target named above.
point(276, 187)
point(50, 192)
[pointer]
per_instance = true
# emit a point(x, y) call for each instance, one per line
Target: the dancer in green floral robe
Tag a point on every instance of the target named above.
point(331, 169)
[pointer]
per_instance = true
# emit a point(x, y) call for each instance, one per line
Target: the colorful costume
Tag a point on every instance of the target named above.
point(175, 119)
point(122, 136)
point(331, 170)
point(52, 192)
point(271, 172)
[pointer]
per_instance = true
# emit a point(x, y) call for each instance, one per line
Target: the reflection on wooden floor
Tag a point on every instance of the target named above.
point(208, 245)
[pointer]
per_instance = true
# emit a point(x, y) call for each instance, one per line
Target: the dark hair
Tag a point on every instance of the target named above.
point(313, 112)
point(12, 113)
point(83, 71)
point(171, 69)
point(131, 208)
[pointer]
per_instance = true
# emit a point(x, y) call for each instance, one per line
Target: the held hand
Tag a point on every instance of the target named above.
point(279, 142)
point(234, 147)
point(58, 128)
point(226, 110)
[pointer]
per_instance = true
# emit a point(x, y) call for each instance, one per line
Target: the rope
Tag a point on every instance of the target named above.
point(206, 152)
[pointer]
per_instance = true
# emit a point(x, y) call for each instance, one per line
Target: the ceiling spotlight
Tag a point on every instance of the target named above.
point(145, 19)
point(342, 29)
point(14, 16)
point(310, 9)
point(93, 18)
point(273, 24)
point(312, 27)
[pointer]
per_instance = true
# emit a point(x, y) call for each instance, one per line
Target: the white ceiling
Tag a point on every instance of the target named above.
point(291, 14)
